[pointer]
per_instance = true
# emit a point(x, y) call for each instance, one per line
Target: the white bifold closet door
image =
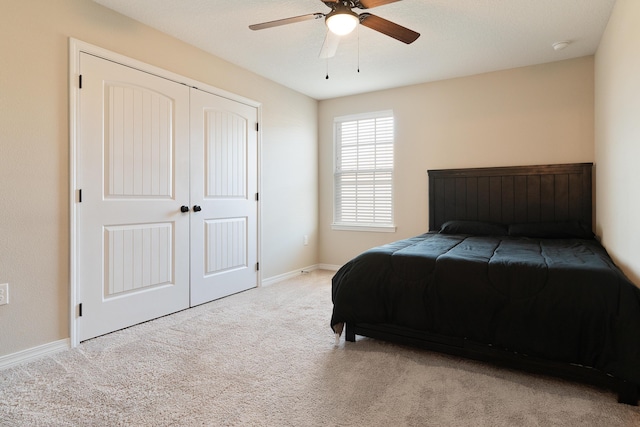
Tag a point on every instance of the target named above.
point(167, 216)
point(224, 197)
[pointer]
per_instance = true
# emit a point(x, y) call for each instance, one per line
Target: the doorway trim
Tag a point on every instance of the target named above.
point(76, 47)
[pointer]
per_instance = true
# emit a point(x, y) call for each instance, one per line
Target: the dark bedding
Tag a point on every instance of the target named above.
point(559, 299)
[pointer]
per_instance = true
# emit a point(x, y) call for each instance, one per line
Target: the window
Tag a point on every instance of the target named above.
point(363, 176)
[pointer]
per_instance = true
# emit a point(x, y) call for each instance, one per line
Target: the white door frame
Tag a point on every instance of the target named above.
point(75, 48)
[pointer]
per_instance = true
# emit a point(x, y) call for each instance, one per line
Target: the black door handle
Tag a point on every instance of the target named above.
point(184, 208)
point(196, 208)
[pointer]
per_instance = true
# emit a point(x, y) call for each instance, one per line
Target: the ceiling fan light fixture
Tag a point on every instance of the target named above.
point(341, 21)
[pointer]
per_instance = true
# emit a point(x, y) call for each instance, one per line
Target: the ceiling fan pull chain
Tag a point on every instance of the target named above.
point(327, 77)
point(358, 30)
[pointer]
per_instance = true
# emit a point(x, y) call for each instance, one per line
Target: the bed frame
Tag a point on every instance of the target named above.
point(506, 195)
point(509, 195)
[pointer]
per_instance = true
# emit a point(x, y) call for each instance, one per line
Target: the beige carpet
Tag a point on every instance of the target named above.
point(266, 357)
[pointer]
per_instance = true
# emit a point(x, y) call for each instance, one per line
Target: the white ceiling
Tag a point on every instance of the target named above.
point(458, 38)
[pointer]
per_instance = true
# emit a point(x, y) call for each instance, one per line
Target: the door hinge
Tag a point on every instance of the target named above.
point(257, 197)
point(80, 81)
point(257, 266)
point(80, 195)
point(257, 127)
point(80, 310)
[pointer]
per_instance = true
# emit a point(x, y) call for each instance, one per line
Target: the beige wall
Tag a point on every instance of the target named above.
point(534, 115)
point(617, 136)
point(34, 150)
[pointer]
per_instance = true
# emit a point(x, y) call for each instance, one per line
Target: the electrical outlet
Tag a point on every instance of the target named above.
point(305, 240)
point(4, 294)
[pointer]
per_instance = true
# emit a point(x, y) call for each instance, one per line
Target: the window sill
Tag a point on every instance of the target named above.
point(364, 227)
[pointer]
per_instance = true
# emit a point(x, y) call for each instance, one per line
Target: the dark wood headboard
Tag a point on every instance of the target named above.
point(509, 195)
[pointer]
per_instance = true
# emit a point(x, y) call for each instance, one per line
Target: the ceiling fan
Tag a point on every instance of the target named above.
point(341, 20)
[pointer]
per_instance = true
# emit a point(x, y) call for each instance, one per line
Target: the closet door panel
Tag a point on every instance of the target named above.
point(223, 192)
point(133, 170)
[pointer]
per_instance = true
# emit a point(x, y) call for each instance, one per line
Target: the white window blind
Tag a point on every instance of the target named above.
point(364, 171)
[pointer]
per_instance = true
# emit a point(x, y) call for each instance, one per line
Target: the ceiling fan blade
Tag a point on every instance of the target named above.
point(388, 28)
point(368, 4)
point(286, 21)
point(330, 45)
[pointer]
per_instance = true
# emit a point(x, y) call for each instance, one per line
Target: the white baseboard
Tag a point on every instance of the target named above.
point(34, 353)
point(330, 267)
point(281, 277)
point(292, 274)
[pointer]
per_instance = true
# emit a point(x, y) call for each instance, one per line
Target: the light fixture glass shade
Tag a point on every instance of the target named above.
point(342, 23)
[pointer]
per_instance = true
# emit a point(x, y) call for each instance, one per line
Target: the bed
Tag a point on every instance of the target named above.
point(509, 272)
